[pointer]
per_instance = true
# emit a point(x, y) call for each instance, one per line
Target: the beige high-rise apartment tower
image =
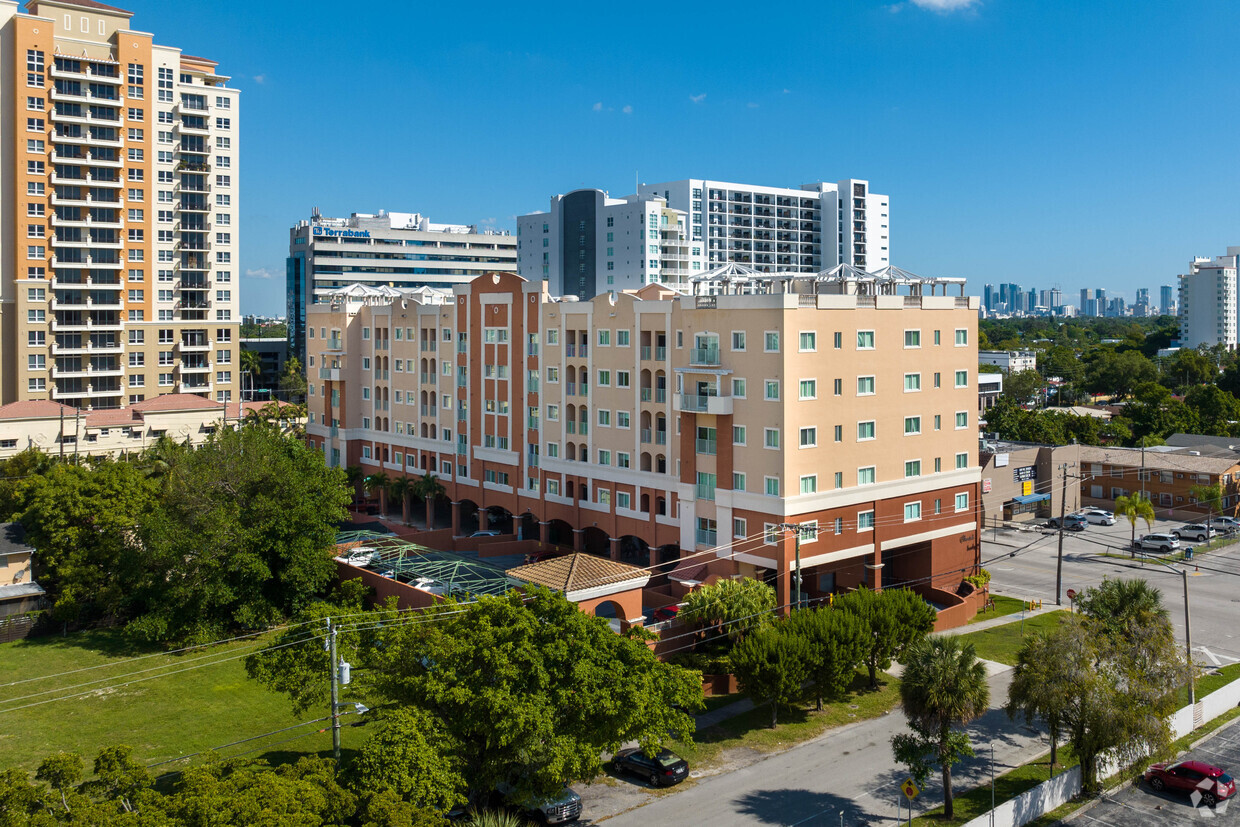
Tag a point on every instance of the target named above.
point(118, 206)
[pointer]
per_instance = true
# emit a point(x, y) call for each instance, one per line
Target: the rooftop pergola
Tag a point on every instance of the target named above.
point(733, 278)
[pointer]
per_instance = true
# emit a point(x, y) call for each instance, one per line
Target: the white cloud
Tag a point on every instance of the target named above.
point(260, 79)
point(698, 98)
point(260, 273)
point(787, 91)
point(752, 105)
point(945, 6)
point(628, 110)
point(598, 107)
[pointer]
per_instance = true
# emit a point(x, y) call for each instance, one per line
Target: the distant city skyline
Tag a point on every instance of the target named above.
point(1019, 142)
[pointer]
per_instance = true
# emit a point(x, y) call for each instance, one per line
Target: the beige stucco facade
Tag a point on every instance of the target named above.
point(118, 232)
point(697, 424)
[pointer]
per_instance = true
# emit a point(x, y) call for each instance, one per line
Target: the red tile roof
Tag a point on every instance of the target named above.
point(111, 417)
point(35, 409)
point(177, 402)
point(85, 4)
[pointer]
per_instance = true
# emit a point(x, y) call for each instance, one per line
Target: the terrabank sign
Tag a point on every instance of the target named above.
point(330, 233)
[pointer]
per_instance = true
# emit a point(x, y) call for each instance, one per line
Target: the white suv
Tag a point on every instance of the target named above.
point(1194, 531)
point(1157, 542)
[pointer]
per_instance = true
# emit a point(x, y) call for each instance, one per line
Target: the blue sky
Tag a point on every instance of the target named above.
point(1032, 141)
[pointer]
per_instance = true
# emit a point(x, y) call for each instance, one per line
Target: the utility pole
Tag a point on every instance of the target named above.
point(335, 676)
point(1063, 505)
point(1143, 495)
point(1188, 644)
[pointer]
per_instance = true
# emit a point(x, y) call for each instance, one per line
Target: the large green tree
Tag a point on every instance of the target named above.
point(1121, 688)
point(89, 527)
point(943, 687)
point(412, 757)
point(1118, 373)
point(527, 689)
point(838, 646)
point(243, 536)
point(14, 473)
point(894, 619)
point(772, 665)
point(1024, 386)
point(1040, 689)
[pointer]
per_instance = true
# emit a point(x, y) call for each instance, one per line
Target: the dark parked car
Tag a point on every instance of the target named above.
point(1187, 776)
point(1072, 522)
point(663, 770)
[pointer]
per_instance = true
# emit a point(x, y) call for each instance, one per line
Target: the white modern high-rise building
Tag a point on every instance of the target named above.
point(392, 249)
point(1208, 301)
point(782, 229)
point(588, 243)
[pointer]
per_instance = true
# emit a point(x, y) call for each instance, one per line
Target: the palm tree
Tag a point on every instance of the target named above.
point(1135, 507)
point(251, 364)
point(355, 478)
point(943, 688)
point(401, 488)
point(1118, 605)
point(1211, 496)
point(378, 483)
point(429, 488)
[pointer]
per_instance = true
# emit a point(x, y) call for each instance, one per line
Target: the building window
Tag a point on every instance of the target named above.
point(738, 388)
point(738, 481)
point(865, 386)
point(912, 512)
point(912, 382)
point(865, 520)
point(738, 434)
point(838, 339)
point(912, 425)
point(738, 340)
point(771, 341)
point(809, 341)
point(912, 468)
point(772, 486)
point(866, 476)
point(865, 430)
point(962, 337)
point(962, 379)
point(770, 437)
point(962, 502)
point(912, 338)
point(962, 460)
point(809, 484)
point(771, 390)
point(839, 479)
point(809, 389)
point(962, 419)
point(809, 437)
point(865, 340)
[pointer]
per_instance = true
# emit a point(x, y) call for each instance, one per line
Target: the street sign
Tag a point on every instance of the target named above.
point(909, 789)
point(1072, 594)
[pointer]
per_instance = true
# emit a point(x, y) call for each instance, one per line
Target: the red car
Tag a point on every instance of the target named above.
point(667, 612)
point(1192, 776)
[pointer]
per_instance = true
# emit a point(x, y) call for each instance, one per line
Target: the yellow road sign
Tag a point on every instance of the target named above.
point(910, 789)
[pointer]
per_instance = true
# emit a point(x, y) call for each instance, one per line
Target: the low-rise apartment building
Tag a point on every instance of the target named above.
point(1022, 481)
point(1166, 474)
point(698, 424)
point(61, 430)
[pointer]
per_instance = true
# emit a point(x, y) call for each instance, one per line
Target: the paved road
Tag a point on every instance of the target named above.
point(1214, 589)
point(848, 770)
point(1141, 805)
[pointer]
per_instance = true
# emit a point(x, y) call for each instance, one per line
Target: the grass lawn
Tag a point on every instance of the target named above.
point(1003, 606)
point(1003, 642)
point(752, 729)
point(161, 718)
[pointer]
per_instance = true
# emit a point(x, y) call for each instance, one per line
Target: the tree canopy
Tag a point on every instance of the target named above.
point(893, 619)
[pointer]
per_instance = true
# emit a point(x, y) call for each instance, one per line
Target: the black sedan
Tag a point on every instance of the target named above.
point(663, 770)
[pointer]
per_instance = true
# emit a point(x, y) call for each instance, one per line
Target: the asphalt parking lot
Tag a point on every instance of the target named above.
point(1141, 805)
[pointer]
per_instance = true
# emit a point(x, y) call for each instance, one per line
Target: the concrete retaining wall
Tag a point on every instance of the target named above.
point(1033, 803)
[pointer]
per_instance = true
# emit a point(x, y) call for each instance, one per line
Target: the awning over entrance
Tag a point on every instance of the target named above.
point(1030, 498)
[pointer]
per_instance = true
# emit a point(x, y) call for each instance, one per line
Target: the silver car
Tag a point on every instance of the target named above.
point(1157, 542)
